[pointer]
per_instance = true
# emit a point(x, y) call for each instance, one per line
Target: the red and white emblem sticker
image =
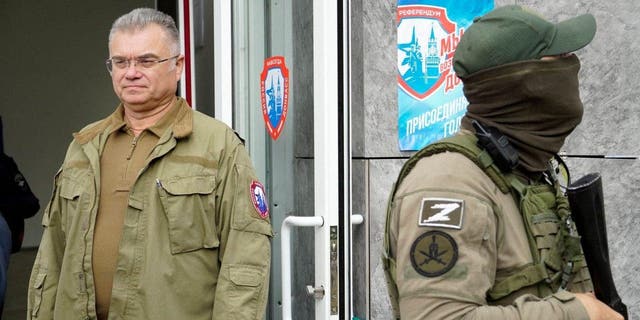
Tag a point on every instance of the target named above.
point(274, 94)
point(259, 199)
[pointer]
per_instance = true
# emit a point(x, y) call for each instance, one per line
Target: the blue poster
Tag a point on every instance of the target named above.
point(430, 99)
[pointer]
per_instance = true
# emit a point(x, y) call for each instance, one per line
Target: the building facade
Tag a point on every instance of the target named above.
point(337, 154)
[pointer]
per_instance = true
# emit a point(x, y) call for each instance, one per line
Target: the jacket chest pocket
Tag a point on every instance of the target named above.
point(189, 206)
point(76, 198)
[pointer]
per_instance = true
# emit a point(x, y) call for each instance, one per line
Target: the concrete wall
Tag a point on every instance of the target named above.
point(54, 82)
point(609, 78)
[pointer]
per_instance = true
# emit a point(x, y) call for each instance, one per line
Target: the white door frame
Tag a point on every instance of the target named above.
point(329, 182)
point(326, 155)
point(223, 57)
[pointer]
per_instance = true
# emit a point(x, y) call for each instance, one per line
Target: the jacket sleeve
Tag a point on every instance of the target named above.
point(43, 283)
point(245, 235)
point(447, 260)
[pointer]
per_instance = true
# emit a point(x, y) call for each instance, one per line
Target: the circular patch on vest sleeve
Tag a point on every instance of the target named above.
point(259, 199)
point(434, 253)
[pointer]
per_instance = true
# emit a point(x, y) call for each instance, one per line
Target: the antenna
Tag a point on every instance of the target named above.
point(598, 156)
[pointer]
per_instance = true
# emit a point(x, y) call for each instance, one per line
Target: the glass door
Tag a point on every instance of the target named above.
point(281, 80)
point(305, 166)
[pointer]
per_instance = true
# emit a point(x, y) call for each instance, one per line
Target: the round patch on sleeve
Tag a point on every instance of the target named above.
point(434, 253)
point(259, 199)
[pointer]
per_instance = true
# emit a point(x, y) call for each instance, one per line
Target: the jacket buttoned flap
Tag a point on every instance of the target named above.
point(180, 186)
point(243, 275)
point(75, 191)
point(189, 206)
point(242, 291)
point(70, 189)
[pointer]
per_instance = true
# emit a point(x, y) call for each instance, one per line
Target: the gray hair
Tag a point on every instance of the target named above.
point(139, 18)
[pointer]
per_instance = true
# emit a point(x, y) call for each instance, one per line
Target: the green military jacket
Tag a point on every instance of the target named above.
point(196, 237)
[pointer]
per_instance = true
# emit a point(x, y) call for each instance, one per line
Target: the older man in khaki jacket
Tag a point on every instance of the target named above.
point(157, 212)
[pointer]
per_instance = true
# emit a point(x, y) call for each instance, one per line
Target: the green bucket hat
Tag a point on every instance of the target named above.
point(513, 33)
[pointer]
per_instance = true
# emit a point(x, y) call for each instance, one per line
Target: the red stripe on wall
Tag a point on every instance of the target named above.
point(187, 48)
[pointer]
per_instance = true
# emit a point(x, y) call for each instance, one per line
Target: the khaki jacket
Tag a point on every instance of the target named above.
point(460, 254)
point(194, 245)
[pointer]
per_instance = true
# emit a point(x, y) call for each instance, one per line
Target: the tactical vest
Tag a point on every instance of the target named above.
point(553, 241)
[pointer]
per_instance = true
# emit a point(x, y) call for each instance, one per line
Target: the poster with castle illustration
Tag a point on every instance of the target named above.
point(430, 99)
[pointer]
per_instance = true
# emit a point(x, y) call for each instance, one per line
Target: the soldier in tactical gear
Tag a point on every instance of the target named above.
point(477, 225)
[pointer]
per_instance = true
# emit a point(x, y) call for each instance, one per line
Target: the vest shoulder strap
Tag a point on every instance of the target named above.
point(466, 145)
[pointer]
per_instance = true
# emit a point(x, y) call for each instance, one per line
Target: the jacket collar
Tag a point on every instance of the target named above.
point(182, 126)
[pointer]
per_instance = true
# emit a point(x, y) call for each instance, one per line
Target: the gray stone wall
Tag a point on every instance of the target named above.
point(609, 76)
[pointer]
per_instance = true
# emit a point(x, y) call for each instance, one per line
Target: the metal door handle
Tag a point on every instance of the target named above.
point(316, 292)
point(357, 219)
point(285, 244)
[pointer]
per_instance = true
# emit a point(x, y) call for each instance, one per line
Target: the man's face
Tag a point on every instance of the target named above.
point(140, 88)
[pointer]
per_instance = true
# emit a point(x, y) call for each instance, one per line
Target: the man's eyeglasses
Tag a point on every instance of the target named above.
point(119, 63)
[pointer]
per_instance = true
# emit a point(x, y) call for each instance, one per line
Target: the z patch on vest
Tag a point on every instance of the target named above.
point(259, 199)
point(441, 212)
point(434, 253)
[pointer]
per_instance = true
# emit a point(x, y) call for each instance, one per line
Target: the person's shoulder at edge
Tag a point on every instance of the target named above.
point(448, 170)
point(201, 121)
